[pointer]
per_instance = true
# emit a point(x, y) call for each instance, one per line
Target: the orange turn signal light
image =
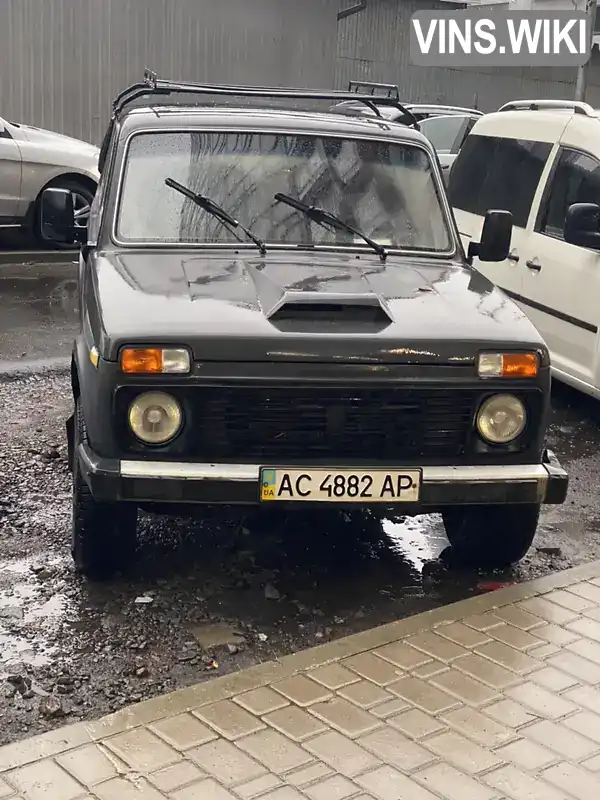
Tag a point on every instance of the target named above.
point(147, 361)
point(520, 365)
point(508, 365)
point(155, 360)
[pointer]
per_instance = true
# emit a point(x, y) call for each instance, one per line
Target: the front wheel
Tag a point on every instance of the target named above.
point(490, 537)
point(103, 535)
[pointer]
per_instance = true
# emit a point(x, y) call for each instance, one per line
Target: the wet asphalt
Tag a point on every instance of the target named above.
point(214, 594)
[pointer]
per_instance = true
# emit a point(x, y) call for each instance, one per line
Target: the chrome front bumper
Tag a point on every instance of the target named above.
point(190, 482)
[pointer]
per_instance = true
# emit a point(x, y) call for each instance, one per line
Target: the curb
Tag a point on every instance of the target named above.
point(55, 742)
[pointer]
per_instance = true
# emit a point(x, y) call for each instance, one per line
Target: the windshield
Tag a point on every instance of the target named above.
point(442, 132)
point(385, 190)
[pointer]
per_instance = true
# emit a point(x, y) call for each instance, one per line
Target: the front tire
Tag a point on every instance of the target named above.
point(490, 537)
point(103, 535)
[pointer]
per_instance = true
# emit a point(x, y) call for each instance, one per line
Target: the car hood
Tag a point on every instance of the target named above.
point(41, 136)
point(299, 306)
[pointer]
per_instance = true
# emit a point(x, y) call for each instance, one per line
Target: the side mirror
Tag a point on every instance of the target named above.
point(57, 216)
point(495, 238)
point(582, 225)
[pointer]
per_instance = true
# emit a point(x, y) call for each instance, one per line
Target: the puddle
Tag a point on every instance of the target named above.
point(32, 608)
point(216, 634)
point(16, 650)
point(416, 539)
point(53, 610)
point(21, 566)
point(38, 311)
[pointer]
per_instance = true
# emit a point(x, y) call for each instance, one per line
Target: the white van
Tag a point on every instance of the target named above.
point(540, 160)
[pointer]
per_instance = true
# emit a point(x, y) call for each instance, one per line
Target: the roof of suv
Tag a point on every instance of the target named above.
point(543, 121)
point(275, 119)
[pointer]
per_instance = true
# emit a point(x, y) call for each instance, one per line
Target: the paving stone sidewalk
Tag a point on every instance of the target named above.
point(495, 697)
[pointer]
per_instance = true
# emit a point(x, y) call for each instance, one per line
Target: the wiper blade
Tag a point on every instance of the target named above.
point(219, 213)
point(329, 220)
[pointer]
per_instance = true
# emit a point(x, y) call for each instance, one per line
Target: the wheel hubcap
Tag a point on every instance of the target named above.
point(81, 207)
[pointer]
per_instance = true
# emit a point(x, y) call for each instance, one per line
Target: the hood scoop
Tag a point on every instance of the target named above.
point(329, 312)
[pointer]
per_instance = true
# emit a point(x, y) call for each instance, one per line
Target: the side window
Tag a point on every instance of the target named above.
point(493, 172)
point(442, 132)
point(468, 173)
point(4, 132)
point(576, 179)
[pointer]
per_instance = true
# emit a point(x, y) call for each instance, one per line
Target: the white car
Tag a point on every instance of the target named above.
point(540, 160)
point(447, 134)
point(31, 160)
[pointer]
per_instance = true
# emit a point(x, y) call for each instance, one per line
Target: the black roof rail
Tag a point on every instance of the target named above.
point(152, 86)
point(550, 105)
point(390, 88)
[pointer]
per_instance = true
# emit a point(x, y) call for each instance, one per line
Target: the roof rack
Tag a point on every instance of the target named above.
point(152, 86)
point(389, 88)
point(548, 105)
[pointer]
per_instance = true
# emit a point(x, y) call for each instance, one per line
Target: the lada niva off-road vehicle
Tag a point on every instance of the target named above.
point(276, 308)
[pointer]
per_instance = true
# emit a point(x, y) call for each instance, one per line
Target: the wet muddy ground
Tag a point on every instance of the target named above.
point(211, 595)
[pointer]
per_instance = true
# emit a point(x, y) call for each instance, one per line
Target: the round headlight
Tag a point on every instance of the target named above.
point(155, 417)
point(501, 419)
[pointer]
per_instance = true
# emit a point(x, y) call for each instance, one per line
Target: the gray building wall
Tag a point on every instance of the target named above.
point(62, 61)
point(374, 45)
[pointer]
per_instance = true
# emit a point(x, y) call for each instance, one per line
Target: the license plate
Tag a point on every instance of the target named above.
point(340, 485)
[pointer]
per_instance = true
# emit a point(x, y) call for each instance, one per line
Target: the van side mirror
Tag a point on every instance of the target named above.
point(582, 225)
point(57, 216)
point(495, 238)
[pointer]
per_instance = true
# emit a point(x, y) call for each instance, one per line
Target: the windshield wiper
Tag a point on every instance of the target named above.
point(328, 220)
point(219, 213)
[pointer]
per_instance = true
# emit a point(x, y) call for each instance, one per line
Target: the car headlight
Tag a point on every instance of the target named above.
point(501, 419)
point(155, 417)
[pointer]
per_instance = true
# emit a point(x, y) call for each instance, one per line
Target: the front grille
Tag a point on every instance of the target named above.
point(288, 425)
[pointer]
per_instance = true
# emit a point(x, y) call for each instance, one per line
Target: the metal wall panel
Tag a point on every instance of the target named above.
point(374, 45)
point(62, 61)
